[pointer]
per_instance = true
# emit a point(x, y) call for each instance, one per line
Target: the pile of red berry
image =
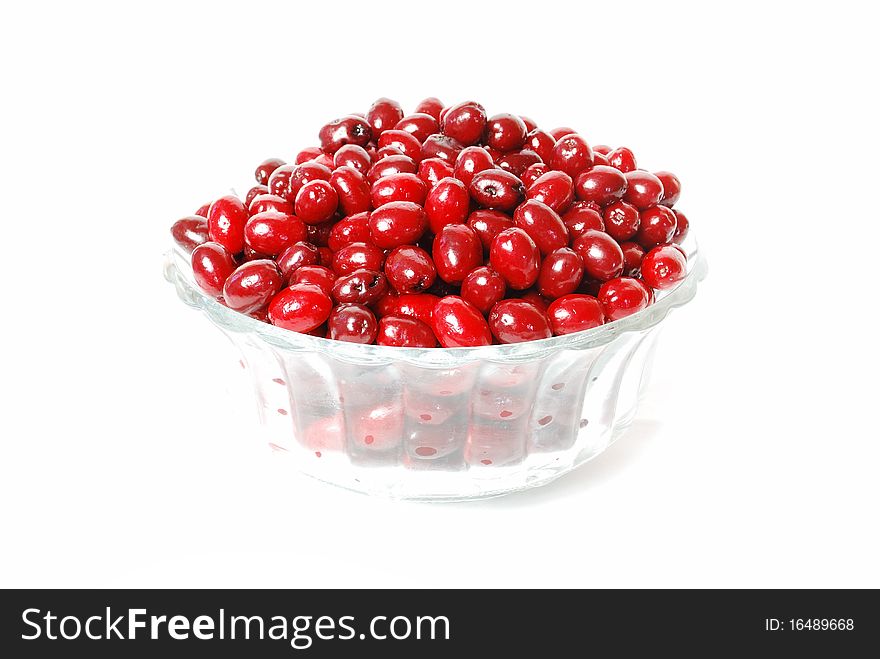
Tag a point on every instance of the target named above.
point(442, 226)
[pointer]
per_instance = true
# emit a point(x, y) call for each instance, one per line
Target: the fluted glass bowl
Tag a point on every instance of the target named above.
point(442, 424)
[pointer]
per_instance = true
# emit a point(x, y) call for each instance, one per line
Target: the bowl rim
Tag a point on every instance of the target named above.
point(178, 271)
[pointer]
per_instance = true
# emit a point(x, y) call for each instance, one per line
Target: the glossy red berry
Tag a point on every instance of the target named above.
point(561, 273)
point(487, 224)
point(543, 225)
point(419, 125)
point(517, 162)
point(515, 321)
point(264, 169)
point(537, 300)
point(561, 131)
point(316, 202)
point(279, 182)
point(671, 188)
point(398, 187)
point(252, 285)
point(352, 190)
point(396, 164)
point(300, 308)
point(295, 256)
point(575, 313)
point(419, 306)
point(352, 229)
point(383, 115)
point(350, 129)
point(354, 323)
point(354, 156)
point(496, 189)
point(447, 203)
point(441, 146)
point(189, 232)
point(633, 253)
point(397, 223)
point(663, 267)
point(361, 286)
point(515, 257)
point(307, 154)
point(622, 297)
point(270, 232)
point(471, 161)
point(431, 105)
point(582, 217)
point(226, 219)
point(656, 226)
point(643, 189)
point(202, 210)
point(305, 173)
point(483, 288)
point(533, 173)
point(434, 170)
point(319, 275)
point(409, 269)
point(542, 143)
point(505, 132)
point(571, 155)
point(458, 324)
point(622, 159)
point(404, 142)
point(554, 189)
point(681, 227)
point(355, 256)
point(464, 122)
point(601, 184)
point(405, 332)
point(255, 191)
point(456, 251)
point(602, 256)
point(211, 265)
point(270, 202)
point(621, 220)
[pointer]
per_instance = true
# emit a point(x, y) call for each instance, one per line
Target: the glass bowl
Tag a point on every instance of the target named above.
point(442, 424)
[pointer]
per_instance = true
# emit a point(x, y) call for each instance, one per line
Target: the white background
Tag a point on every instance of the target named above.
point(126, 457)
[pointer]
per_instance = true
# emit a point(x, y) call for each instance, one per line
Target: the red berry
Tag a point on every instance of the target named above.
point(396, 164)
point(561, 273)
point(352, 190)
point(671, 188)
point(558, 133)
point(351, 229)
point(458, 324)
point(431, 105)
point(542, 224)
point(542, 143)
point(457, 250)
point(405, 332)
point(505, 132)
point(633, 253)
point(319, 275)
point(433, 170)
point(582, 217)
point(656, 227)
point(354, 156)
point(398, 187)
point(419, 125)
point(622, 159)
point(554, 189)
point(264, 169)
point(419, 306)
point(189, 232)
point(354, 323)
point(496, 189)
point(252, 285)
point(621, 220)
point(599, 159)
point(681, 227)
point(574, 313)
point(471, 161)
point(254, 192)
point(515, 257)
point(441, 146)
point(601, 184)
point(403, 142)
point(643, 189)
point(533, 173)
point(211, 265)
point(226, 219)
point(309, 153)
point(316, 202)
point(270, 202)
point(397, 223)
point(530, 123)
point(346, 130)
point(383, 115)
point(487, 224)
point(623, 297)
point(515, 321)
point(517, 162)
point(295, 256)
point(361, 286)
point(572, 155)
point(318, 234)
point(483, 287)
point(355, 256)
point(535, 299)
point(447, 203)
point(464, 122)
point(602, 256)
point(300, 308)
point(409, 269)
point(663, 267)
point(202, 210)
point(279, 182)
point(305, 173)
point(270, 232)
